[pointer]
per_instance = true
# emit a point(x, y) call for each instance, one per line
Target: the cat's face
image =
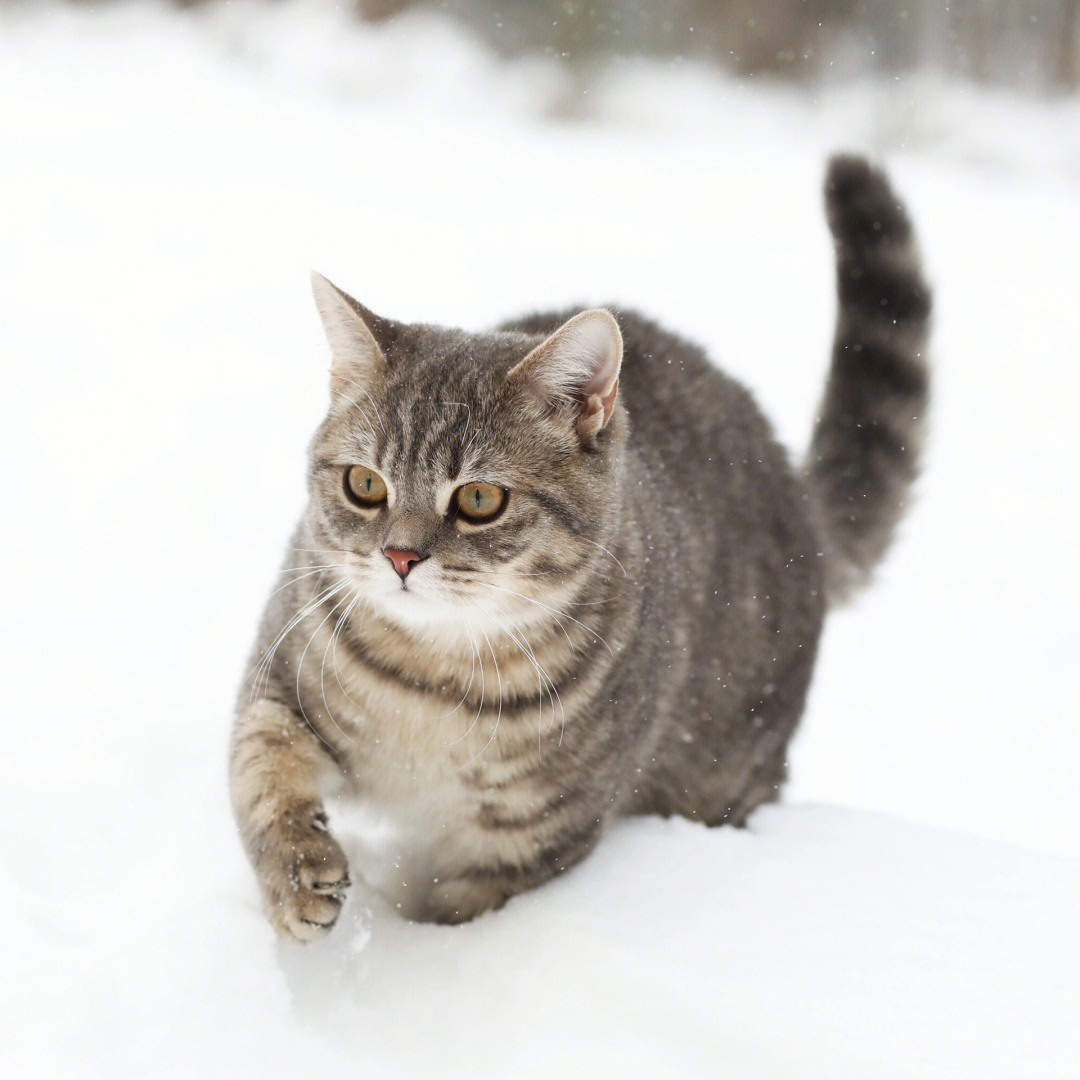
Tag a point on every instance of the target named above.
point(464, 481)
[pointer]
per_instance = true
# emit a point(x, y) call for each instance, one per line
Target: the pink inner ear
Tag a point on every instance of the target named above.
point(608, 400)
point(597, 410)
point(578, 365)
point(597, 339)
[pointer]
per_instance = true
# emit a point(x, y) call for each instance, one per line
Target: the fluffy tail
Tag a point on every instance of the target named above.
point(865, 447)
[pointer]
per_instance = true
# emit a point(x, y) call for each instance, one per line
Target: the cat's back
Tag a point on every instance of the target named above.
point(707, 485)
point(724, 639)
point(687, 417)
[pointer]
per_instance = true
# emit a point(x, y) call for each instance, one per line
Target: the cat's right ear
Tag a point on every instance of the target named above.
point(357, 358)
point(577, 370)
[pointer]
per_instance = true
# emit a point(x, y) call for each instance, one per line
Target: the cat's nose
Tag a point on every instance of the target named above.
point(403, 561)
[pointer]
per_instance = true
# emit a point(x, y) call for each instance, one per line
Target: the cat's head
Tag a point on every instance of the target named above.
point(462, 477)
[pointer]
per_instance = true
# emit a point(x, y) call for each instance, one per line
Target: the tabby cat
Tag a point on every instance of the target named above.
point(555, 573)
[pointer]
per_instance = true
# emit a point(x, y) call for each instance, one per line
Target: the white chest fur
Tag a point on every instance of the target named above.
point(405, 826)
point(408, 799)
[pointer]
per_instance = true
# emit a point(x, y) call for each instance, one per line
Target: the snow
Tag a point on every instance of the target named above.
point(169, 179)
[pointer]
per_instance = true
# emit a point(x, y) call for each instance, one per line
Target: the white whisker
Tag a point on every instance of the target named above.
point(554, 612)
point(333, 654)
point(606, 552)
point(357, 405)
point(293, 581)
point(300, 664)
point(542, 675)
point(468, 690)
point(261, 671)
point(483, 686)
point(322, 668)
point(498, 715)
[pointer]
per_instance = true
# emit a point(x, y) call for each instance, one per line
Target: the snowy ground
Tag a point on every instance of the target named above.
point(168, 179)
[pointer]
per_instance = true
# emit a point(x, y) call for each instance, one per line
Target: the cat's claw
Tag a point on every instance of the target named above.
point(305, 878)
point(319, 925)
point(332, 888)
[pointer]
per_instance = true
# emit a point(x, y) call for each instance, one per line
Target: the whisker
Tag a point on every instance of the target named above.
point(552, 611)
point(556, 620)
point(483, 687)
point(468, 423)
point(542, 675)
point(468, 690)
point(539, 573)
point(320, 551)
point(261, 671)
point(606, 552)
point(303, 656)
point(333, 655)
point(293, 581)
point(498, 715)
point(356, 404)
point(308, 566)
point(552, 688)
point(468, 445)
point(490, 611)
point(462, 579)
point(322, 667)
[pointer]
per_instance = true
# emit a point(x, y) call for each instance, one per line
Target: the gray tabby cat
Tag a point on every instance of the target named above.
point(556, 573)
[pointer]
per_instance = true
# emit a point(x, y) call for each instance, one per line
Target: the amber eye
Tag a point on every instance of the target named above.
point(480, 501)
point(364, 486)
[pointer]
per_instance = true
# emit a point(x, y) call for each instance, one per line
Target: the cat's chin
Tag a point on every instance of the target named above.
point(455, 623)
point(415, 608)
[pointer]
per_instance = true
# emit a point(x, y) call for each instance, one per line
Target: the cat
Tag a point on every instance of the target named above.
point(559, 572)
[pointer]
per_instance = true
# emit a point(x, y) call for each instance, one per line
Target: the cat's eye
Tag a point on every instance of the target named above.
point(479, 501)
point(364, 486)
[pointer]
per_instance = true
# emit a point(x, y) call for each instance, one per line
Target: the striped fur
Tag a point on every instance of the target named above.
point(865, 447)
point(634, 632)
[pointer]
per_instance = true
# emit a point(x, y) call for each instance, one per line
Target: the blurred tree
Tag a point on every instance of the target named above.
point(1068, 68)
point(1031, 43)
point(377, 10)
point(750, 36)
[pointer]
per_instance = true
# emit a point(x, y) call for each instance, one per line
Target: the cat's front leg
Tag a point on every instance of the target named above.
point(275, 769)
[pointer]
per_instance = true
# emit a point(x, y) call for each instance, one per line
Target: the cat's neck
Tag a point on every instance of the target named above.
point(476, 651)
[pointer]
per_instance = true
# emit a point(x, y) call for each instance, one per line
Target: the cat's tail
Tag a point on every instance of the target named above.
point(865, 447)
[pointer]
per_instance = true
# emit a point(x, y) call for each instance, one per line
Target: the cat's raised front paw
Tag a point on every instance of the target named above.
point(304, 876)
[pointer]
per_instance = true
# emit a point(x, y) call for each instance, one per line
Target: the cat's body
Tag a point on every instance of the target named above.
point(632, 630)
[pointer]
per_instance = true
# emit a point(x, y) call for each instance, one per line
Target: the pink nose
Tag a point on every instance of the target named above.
point(403, 560)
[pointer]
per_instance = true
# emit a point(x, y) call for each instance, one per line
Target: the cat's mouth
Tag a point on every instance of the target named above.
point(406, 597)
point(422, 600)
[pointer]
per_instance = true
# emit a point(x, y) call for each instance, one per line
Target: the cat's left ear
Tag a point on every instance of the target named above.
point(357, 337)
point(577, 368)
